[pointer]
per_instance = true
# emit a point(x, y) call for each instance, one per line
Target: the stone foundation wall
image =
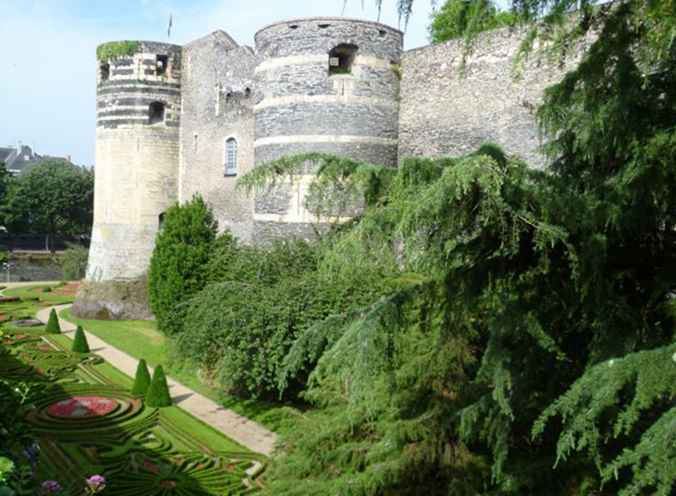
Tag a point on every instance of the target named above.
point(113, 300)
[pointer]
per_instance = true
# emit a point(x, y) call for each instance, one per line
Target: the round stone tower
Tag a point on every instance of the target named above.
point(328, 85)
point(137, 150)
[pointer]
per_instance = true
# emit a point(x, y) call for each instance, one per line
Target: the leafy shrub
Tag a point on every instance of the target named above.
point(178, 265)
point(80, 344)
point(53, 326)
point(243, 324)
point(141, 379)
point(158, 392)
point(74, 263)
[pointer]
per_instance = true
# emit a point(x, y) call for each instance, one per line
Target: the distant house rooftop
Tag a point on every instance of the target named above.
point(21, 158)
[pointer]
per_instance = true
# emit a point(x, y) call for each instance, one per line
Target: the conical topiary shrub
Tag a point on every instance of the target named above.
point(158, 393)
point(53, 326)
point(80, 344)
point(141, 380)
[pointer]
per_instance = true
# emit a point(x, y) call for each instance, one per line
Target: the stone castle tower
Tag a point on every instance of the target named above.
point(137, 147)
point(327, 85)
point(175, 121)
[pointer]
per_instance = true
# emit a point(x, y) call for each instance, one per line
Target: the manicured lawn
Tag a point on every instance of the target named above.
point(141, 339)
point(87, 422)
point(28, 292)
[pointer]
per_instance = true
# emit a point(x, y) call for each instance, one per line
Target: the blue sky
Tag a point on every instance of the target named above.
point(47, 49)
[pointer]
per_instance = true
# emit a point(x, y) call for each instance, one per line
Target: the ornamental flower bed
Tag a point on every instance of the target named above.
point(82, 407)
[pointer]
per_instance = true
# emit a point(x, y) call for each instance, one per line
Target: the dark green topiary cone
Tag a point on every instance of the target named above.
point(80, 344)
point(53, 326)
point(158, 393)
point(141, 380)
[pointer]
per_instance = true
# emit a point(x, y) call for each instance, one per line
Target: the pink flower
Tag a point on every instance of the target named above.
point(51, 487)
point(96, 483)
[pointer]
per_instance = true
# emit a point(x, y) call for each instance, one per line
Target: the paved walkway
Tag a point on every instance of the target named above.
point(244, 431)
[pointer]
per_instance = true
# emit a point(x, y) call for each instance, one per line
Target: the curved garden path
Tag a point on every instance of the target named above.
point(240, 429)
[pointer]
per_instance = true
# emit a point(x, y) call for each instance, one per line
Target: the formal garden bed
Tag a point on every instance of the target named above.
point(76, 418)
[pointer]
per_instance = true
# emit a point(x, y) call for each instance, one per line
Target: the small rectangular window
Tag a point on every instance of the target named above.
point(156, 112)
point(161, 65)
point(105, 72)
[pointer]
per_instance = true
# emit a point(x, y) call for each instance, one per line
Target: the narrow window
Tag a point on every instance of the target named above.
point(324, 26)
point(231, 157)
point(247, 93)
point(160, 220)
point(105, 71)
point(219, 91)
point(156, 112)
point(161, 64)
point(195, 138)
point(341, 59)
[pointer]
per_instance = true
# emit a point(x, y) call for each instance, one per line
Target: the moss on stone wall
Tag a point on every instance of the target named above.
point(116, 49)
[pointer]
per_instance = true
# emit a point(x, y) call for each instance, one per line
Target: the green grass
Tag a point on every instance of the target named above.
point(36, 291)
point(141, 339)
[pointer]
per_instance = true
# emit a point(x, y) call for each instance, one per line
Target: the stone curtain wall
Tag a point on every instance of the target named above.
point(445, 111)
point(218, 100)
point(304, 108)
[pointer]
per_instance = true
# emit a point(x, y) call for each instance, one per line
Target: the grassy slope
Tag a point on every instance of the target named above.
point(141, 339)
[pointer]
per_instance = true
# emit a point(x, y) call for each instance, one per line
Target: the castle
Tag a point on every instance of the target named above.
point(173, 121)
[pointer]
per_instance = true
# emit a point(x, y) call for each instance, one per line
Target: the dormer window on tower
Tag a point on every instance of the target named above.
point(341, 59)
point(161, 64)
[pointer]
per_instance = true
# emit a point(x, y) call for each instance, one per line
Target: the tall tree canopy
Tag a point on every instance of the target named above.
point(54, 197)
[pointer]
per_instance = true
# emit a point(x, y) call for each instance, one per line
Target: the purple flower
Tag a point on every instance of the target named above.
point(51, 487)
point(96, 483)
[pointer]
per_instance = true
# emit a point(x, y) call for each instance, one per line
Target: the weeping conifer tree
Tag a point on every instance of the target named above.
point(529, 346)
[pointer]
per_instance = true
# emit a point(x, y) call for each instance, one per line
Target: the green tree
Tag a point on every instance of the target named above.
point(456, 18)
point(54, 197)
point(158, 392)
point(141, 379)
point(80, 344)
point(53, 326)
point(178, 265)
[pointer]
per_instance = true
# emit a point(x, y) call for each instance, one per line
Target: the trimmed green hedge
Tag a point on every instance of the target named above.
point(142, 379)
point(158, 393)
point(80, 344)
point(53, 326)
